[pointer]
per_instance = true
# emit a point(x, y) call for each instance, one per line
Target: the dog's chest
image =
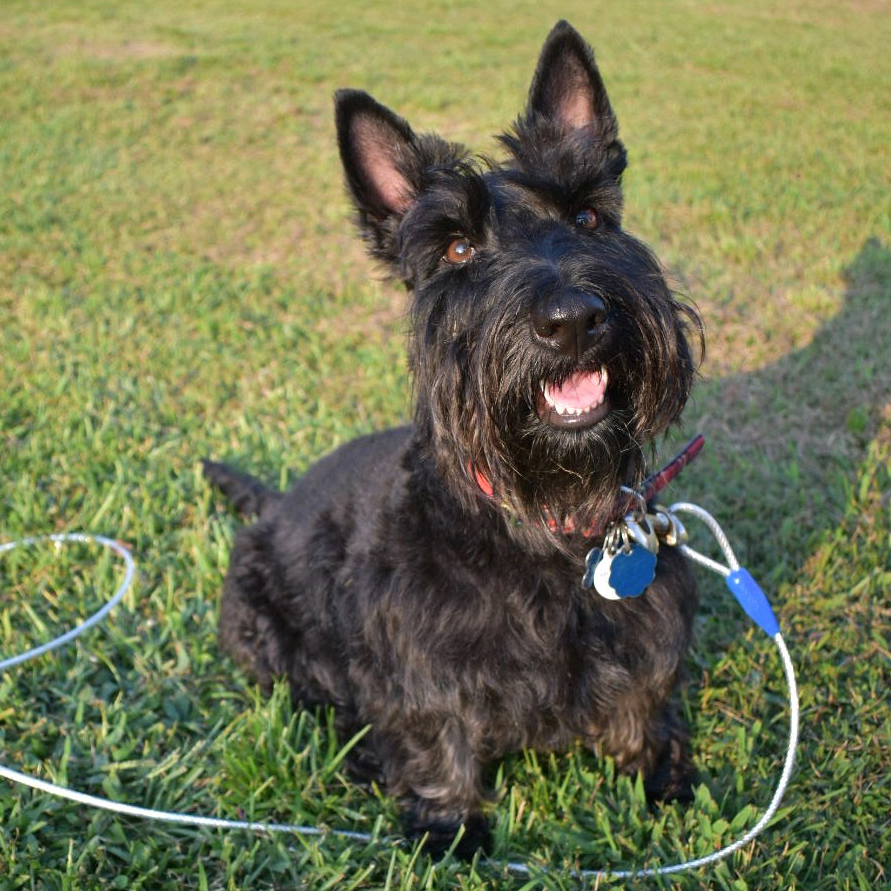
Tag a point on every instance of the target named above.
point(536, 657)
point(523, 644)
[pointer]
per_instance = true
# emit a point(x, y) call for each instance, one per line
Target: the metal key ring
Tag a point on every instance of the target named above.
point(639, 498)
point(646, 538)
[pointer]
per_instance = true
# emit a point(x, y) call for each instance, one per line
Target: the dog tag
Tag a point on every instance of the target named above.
point(592, 558)
point(628, 574)
point(601, 577)
point(632, 572)
point(626, 564)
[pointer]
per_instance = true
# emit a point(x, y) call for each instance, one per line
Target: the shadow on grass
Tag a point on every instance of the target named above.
point(785, 441)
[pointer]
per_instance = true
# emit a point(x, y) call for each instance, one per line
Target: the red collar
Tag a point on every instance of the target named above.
point(651, 487)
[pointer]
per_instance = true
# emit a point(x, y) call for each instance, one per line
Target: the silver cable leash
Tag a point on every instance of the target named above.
point(106, 804)
point(661, 523)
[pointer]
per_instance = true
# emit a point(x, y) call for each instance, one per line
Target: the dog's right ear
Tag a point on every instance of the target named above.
point(387, 167)
point(378, 150)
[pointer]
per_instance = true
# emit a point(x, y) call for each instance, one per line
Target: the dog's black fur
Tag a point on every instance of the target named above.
point(417, 579)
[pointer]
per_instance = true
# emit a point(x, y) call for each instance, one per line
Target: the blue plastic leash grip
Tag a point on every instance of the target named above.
point(753, 600)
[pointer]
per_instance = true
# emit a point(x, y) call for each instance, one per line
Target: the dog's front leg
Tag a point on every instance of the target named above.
point(650, 737)
point(431, 766)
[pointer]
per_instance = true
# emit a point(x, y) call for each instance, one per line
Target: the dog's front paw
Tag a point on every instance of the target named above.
point(439, 836)
point(674, 776)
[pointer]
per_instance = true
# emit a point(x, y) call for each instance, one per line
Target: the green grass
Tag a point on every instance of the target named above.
point(178, 278)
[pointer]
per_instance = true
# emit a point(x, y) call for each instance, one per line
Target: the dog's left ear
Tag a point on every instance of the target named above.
point(567, 87)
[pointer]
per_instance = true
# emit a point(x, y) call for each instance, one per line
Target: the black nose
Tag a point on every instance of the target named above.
point(568, 321)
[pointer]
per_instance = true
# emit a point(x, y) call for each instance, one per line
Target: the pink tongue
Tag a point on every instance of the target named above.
point(579, 391)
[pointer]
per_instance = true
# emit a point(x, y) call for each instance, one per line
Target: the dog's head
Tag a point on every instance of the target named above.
point(546, 347)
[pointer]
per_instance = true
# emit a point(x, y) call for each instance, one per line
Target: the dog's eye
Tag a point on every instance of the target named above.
point(459, 252)
point(586, 219)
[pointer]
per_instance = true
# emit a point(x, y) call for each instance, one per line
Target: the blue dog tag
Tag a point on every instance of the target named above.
point(632, 572)
point(624, 573)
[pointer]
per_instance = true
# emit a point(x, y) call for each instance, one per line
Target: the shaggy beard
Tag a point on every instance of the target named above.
point(477, 397)
point(539, 473)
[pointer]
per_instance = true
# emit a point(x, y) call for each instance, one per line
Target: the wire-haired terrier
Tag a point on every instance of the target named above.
point(427, 580)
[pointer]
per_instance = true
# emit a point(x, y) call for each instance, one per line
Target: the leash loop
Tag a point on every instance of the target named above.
point(99, 615)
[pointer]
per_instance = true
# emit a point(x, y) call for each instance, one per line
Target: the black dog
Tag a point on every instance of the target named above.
point(427, 580)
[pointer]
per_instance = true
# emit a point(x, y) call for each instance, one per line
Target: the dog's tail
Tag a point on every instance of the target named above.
point(248, 495)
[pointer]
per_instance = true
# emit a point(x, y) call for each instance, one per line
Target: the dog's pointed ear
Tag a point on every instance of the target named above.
point(377, 148)
point(567, 87)
point(387, 167)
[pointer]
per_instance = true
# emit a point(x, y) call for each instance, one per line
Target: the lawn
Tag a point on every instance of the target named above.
point(179, 278)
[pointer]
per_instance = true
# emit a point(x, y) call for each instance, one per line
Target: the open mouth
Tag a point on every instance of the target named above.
point(580, 401)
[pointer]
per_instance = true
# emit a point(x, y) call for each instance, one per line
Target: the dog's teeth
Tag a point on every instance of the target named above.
point(568, 410)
